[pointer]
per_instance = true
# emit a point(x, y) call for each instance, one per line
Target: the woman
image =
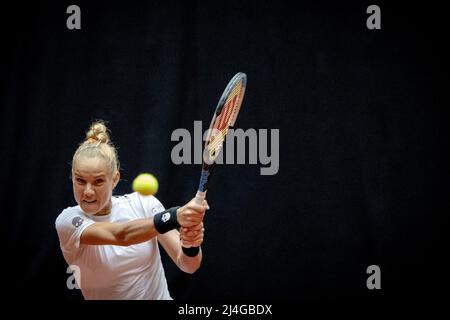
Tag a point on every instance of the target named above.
point(113, 240)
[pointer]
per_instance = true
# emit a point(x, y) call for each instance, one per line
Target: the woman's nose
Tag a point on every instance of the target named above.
point(88, 191)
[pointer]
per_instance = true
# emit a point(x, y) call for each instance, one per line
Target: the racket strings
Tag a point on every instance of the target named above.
point(226, 118)
point(232, 104)
point(218, 139)
point(237, 106)
point(232, 101)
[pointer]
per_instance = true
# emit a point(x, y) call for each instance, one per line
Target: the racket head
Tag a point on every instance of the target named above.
point(224, 117)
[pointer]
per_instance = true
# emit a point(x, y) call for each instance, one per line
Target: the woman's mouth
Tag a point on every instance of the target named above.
point(89, 202)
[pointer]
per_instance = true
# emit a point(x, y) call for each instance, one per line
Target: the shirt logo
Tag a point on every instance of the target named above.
point(165, 217)
point(77, 221)
point(157, 209)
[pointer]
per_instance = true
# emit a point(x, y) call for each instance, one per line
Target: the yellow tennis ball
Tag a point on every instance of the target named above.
point(146, 184)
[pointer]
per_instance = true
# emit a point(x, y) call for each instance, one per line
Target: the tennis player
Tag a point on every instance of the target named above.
point(113, 240)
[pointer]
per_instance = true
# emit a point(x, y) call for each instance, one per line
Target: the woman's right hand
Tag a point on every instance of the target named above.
point(192, 213)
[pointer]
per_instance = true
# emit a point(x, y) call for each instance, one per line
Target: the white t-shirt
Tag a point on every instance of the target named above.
point(110, 272)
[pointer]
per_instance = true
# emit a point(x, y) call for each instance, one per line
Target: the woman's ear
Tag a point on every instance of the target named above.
point(116, 178)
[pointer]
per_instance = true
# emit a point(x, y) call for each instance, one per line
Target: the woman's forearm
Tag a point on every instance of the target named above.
point(137, 231)
point(189, 264)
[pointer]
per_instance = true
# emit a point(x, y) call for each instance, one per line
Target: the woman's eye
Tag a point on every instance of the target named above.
point(80, 180)
point(99, 181)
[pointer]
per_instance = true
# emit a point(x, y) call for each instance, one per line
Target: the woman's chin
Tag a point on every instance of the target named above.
point(90, 208)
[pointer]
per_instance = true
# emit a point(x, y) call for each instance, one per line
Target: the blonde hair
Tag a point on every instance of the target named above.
point(98, 144)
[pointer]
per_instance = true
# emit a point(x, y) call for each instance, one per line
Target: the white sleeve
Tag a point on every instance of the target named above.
point(70, 224)
point(150, 205)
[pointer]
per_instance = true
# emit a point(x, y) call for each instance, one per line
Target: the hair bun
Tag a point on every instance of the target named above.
point(97, 133)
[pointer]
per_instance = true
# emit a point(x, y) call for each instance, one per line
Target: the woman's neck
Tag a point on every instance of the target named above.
point(106, 210)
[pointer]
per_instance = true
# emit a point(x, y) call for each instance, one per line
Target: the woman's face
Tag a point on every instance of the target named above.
point(93, 184)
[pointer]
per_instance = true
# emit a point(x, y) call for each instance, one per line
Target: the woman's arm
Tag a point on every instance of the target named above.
point(119, 234)
point(171, 242)
point(139, 230)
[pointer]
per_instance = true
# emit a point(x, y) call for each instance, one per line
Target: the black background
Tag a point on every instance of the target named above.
point(363, 139)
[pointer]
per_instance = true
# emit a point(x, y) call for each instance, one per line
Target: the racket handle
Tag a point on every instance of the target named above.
point(199, 197)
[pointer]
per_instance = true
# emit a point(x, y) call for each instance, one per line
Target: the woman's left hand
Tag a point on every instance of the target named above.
point(192, 236)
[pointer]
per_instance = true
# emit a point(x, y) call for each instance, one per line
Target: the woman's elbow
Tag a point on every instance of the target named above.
point(191, 268)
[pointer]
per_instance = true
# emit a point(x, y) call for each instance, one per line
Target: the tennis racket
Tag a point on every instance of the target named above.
point(223, 119)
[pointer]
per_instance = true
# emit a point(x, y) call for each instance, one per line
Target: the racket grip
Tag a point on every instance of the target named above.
point(200, 196)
